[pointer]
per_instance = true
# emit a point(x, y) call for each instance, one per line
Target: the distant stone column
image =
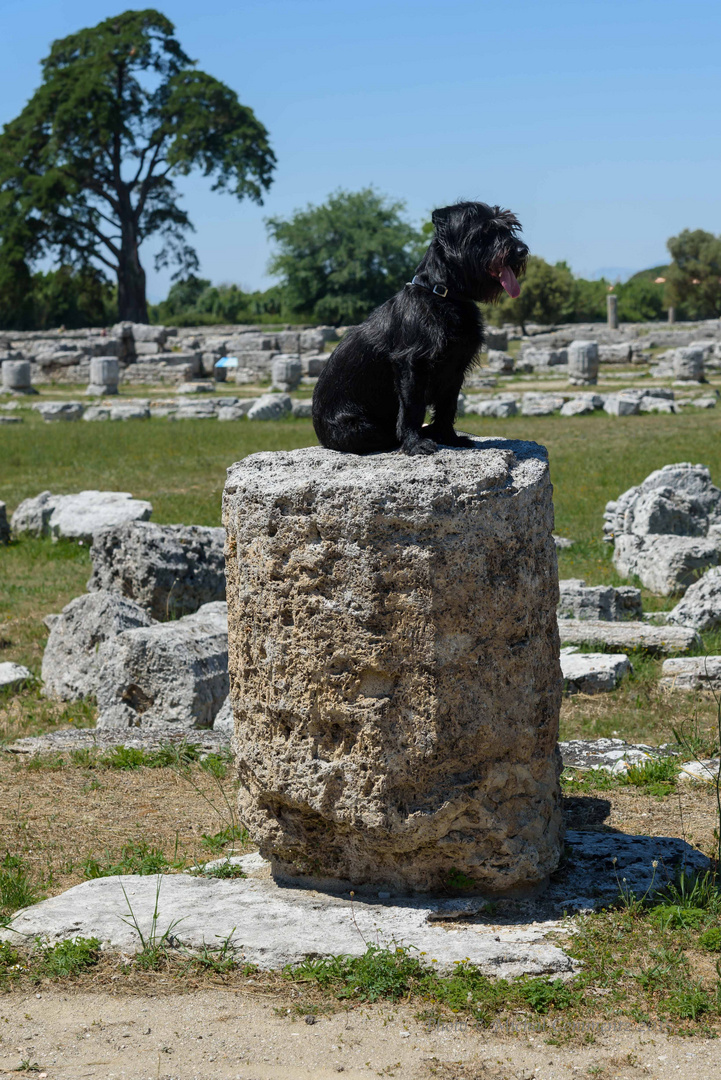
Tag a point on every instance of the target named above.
point(394, 666)
point(612, 311)
point(583, 363)
point(104, 373)
point(672, 314)
point(17, 377)
point(688, 364)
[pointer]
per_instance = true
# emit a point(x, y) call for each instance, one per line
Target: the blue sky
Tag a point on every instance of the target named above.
point(597, 122)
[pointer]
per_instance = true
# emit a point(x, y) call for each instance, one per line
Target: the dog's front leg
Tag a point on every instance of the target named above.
point(444, 414)
point(411, 382)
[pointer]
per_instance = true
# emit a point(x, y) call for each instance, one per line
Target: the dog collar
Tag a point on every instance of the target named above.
point(439, 289)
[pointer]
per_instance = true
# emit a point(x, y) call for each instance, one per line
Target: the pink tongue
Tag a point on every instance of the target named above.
point(509, 282)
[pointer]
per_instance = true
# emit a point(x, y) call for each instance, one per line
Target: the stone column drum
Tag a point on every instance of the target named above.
point(394, 666)
point(688, 364)
point(103, 375)
point(17, 377)
point(583, 363)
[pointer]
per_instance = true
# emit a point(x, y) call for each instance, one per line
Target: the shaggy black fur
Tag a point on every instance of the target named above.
point(412, 353)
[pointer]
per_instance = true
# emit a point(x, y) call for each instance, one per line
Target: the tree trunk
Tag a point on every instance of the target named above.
point(132, 305)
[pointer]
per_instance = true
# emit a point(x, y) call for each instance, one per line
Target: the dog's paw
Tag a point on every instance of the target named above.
point(458, 440)
point(419, 446)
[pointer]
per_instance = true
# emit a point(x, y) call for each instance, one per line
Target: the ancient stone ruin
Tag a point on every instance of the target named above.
point(394, 666)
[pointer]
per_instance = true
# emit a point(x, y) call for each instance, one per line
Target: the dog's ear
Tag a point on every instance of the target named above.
point(440, 216)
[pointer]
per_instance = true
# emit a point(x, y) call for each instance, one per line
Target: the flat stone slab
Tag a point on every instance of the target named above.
point(79, 516)
point(272, 926)
point(611, 755)
point(592, 673)
point(627, 635)
point(691, 673)
point(208, 741)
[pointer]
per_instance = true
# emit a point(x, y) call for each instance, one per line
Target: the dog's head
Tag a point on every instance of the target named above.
point(480, 244)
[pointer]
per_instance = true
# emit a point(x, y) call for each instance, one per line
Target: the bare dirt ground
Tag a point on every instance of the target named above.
point(224, 1035)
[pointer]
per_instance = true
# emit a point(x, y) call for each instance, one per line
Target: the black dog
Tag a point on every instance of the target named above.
point(413, 352)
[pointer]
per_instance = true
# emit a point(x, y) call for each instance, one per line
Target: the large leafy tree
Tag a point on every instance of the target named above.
point(86, 170)
point(694, 277)
point(338, 261)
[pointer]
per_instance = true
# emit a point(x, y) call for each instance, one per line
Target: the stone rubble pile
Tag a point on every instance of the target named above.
point(666, 530)
point(149, 640)
point(135, 353)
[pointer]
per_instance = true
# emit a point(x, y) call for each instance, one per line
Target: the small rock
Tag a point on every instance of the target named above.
point(270, 407)
point(14, 675)
point(593, 673)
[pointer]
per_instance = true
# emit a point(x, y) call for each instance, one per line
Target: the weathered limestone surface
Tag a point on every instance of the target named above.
point(691, 673)
point(13, 674)
point(701, 606)
point(72, 657)
point(628, 635)
point(666, 564)
point(170, 570)
point(394, 663)
point(166, 676)
point(79, 516)
point(581, 601)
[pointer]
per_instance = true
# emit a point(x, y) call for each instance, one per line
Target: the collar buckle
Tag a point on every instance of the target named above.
point(440, 290)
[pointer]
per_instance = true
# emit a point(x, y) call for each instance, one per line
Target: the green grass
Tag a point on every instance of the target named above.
point(134, 858)
point(180, 467)
point(17, 888)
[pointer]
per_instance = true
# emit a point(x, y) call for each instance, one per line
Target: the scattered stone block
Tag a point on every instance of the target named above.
point(104, 374)
point(704, 403)
point(313, 365)
point(701, 605)
point(581, 601)
point(500, 362)
point(678, 499)
point(350, 742)
point(130, 411)
point(583, 363)
point(627, 635)
point(166, 676)
point(665, 564)
point(620, 405)
point(577, 407)
point(688, 364)
point(17, 378)
point(495, 340)
point(197, 410)
point(270, 407)
point(286, 373)
point(491, 407)
point(691, 673)
point(13, 676)
point(60, 410)
point(79, 516)
point(619, 353)
point(303, 410)
point(540, 404)
point(71, 661)
point(170, 570)
point(562, 542)
point(97, 412)
point(237, 412)
point(593, 673)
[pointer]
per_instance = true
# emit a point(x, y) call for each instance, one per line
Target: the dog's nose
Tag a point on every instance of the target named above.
point(521, 250)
